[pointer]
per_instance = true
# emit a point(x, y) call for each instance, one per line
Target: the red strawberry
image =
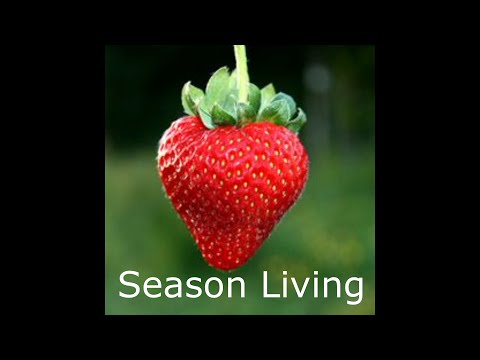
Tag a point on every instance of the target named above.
point(232, 174)
point(231, 185)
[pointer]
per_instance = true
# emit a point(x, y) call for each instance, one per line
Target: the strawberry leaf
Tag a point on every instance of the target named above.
point(268, 92)
point(291, 103)
point(245, 113)
point(219, 105)
point(296, 124)
point(217, 87)
point(191, 97)
point(277, 112)
point(221, 117)
point(254, 97)
point(205, 115)
point(230, 104)
point(232, 84)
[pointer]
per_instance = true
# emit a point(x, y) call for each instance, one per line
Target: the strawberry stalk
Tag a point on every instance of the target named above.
point(242, 73)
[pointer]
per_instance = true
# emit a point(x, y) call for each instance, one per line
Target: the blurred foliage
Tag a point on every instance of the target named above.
point(331, 229)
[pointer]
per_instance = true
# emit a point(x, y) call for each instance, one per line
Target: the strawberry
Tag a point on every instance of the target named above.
point(233, 168)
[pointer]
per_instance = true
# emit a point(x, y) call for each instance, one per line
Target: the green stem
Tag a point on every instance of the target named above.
point(242, 73)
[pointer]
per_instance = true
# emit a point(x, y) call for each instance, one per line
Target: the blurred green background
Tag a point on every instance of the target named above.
point(332, 227)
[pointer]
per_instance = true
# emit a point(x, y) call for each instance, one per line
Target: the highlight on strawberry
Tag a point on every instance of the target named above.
point(234, 166)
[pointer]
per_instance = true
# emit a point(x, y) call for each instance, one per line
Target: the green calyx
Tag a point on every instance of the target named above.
point(220, 104)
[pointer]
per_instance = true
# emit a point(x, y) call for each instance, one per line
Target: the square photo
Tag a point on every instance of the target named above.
point(239, 180)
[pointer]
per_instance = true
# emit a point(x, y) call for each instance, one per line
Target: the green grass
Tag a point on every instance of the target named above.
point(331, 229)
